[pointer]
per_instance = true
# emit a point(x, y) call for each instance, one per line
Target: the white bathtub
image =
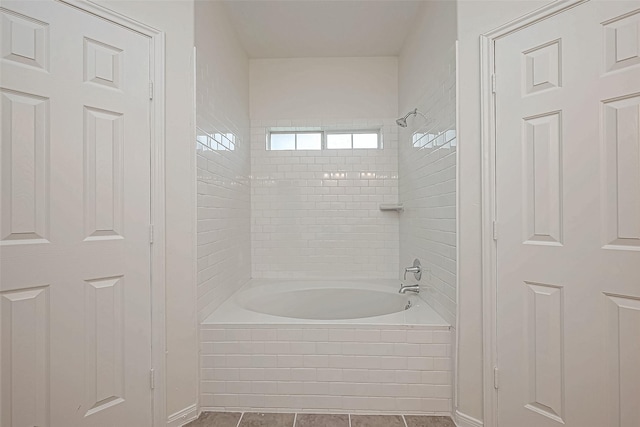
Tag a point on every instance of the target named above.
point(329, 302)
point(326, 346)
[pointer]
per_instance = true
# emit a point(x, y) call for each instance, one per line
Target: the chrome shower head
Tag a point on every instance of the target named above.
point(402, 122)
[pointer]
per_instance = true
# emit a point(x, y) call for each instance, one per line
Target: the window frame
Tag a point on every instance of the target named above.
point(377, 132)
point(324, 137)
point(295, 142)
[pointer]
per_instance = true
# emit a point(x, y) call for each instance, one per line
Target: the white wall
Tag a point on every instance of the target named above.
point(223, 165)
point(430, 41)
point(315, 213)
point(175, 18)
point(331, 88)
point(475, 17)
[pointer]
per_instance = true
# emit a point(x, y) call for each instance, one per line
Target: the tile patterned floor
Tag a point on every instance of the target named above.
point(377, 421)
point(322, 420)
point(255, 419)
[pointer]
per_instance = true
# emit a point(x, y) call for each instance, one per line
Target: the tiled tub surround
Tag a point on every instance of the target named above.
point(427, 187)
point(222, 156)
point(393, 364)
point(315, 213)
point(224, 250)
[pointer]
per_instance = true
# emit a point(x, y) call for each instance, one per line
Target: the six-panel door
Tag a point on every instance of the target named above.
point(75, 318)
point(568, 209)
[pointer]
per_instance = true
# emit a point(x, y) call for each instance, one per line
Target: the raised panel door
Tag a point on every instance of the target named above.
point(75, 212)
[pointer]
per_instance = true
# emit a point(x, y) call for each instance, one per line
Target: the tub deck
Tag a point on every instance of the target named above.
point(232, 314)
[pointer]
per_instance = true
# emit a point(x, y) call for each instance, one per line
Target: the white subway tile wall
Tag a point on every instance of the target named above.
point(315, 214)
point(223, 201)
point(399, 369)
point(427, 188)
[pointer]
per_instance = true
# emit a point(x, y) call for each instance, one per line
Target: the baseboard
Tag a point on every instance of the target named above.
point(183, 416)
point(463, 420)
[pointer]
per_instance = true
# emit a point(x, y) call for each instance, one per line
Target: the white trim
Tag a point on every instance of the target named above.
point(194, 202)
point(531, 18)
point(488, 252)
point(158, 254)
point(157, 180)
point(112, 16)
point(489, 245)
point(462, 420)
point(456, 362)
point(183, 416)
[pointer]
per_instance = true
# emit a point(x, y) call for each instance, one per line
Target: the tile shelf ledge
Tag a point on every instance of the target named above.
point(397, 207)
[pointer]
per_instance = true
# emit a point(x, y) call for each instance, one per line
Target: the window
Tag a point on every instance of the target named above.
point(350, 140)
point(295, 141)
point(318, 140)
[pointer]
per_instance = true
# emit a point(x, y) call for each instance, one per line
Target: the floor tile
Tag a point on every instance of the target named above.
point(216, 419)
point(376, 421)
point(422, 421)
point(254, 419)
point(322, 420)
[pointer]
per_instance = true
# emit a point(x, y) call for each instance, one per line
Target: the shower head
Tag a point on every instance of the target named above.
point(402, 122)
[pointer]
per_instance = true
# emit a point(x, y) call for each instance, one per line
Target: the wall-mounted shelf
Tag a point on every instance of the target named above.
point(396, 207)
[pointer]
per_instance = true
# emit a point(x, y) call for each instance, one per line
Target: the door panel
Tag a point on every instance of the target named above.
point(25, 349)
point(568, 206)
point(621, 146)
point(75, 215)
point(25, 166)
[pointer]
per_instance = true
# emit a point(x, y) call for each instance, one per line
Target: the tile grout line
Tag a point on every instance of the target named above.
point(240, 420)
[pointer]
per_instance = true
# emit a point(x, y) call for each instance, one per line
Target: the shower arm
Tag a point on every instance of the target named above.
point(416, 111)
point(410, 113)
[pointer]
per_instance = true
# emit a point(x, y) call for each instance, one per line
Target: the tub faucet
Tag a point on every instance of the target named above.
point(409, 288)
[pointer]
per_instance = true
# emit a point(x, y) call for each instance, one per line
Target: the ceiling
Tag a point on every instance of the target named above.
point(328, 28)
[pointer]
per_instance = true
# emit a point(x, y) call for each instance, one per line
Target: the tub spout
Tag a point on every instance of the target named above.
point(409, 288)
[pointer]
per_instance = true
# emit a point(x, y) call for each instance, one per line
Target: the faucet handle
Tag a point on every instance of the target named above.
point(416, 269)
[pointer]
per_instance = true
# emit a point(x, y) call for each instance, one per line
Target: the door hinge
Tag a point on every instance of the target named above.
point(150, 90)
point(493, 83)
point(495, 230)
point(150, 234)
point(152, 378)
point(496, 378)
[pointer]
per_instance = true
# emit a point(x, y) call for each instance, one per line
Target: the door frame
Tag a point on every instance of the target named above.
point(157, 375)
point(490, 349)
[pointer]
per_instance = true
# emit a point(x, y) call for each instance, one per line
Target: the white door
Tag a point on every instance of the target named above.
point(568, 213)
point(75, 329)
